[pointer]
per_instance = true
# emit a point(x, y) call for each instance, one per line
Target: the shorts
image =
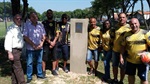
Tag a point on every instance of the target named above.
point(91, 53)
point(49, 53)
point(116, 60)
point(46, 53)
point(142, 70)
point(61, 51)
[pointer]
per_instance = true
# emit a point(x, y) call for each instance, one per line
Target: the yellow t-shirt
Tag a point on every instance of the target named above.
point(118, 37)
point(134, 43)
point(147, 36)
point(106, 40)
point(93, 38)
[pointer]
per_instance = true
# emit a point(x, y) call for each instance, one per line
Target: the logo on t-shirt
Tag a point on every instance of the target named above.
point(50, 24)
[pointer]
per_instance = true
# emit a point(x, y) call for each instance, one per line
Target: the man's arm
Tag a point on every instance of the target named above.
point(41, 43)
point(57, 30)
point(29, 42)
point(8, 44)
point(55, 39)
point(121, 54)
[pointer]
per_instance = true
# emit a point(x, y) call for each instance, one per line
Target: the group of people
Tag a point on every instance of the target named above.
point(122, 44)
point(41, 40)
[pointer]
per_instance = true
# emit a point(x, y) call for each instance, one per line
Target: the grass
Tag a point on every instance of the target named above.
point(3, 28)
point(63, 78)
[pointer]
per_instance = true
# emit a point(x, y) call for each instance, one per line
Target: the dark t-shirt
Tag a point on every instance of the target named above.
point(64, 28)
point(50, 29)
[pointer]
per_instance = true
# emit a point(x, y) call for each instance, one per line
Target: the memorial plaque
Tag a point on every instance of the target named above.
point(78, 45)
point(78, 27)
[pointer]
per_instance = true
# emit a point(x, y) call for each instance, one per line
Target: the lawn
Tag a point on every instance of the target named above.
point(3, 28)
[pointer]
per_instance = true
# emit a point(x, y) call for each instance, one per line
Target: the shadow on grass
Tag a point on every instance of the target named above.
point(5, 65)
point(98, 73)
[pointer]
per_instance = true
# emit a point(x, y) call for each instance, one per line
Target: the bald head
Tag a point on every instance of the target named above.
point(134, 20)
point(134, 24)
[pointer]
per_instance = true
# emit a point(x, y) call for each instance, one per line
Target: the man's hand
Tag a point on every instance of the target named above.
point(121, 60)
point(10, 56)
point(34, 46)
point(53, 43)
point(38, 47)
point(50, 46)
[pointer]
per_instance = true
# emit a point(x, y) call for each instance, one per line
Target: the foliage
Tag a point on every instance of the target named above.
point(8, 9)
point(78, 13)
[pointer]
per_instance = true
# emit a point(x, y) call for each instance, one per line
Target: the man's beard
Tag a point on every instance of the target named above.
point(50, 18)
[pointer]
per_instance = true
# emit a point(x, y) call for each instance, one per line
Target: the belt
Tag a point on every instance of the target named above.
point(17, 49)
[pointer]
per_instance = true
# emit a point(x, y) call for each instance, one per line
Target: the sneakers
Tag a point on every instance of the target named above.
point(41, 77)
point(91, 72)
point(54, 72)
point(96, 72)
point(28, 81)
point(44, 73)
point(104, 79)
point(114, 81)
point(65, 70)
point(120, 82)
point(57, 68)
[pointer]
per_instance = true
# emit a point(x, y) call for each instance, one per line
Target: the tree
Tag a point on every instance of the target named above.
point(7, 9)
point(134, 2)
point(148, 1)
point(15, 7)
point(143, 15)
point(77, 13)
point(25, 8)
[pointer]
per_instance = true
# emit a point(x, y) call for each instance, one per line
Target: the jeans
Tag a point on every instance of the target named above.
point(37, 54)
point(91, 53)
point(108, 56)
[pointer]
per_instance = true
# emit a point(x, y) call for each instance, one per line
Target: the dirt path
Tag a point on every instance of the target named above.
point(67, 78)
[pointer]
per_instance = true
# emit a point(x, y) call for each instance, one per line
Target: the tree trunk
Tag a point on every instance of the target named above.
point(25, 8)
point(148, 1)
point(143, 15)
point(132, 10)
point(113, 13)
point(134, 2)
point(15, 7)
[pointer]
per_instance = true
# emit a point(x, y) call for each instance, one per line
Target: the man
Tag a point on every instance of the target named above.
point(34, 35)
point(93, 44)
point(52, 34)
point(62, 45)
point(120, 29)
point(13, 45)
point(135, 42)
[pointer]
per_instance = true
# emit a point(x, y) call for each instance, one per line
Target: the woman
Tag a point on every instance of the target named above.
point(107, 48)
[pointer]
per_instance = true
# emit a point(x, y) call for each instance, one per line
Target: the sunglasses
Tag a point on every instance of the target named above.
point(18, 18)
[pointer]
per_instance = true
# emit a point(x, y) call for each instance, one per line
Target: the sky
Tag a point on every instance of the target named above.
point(67, 5)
